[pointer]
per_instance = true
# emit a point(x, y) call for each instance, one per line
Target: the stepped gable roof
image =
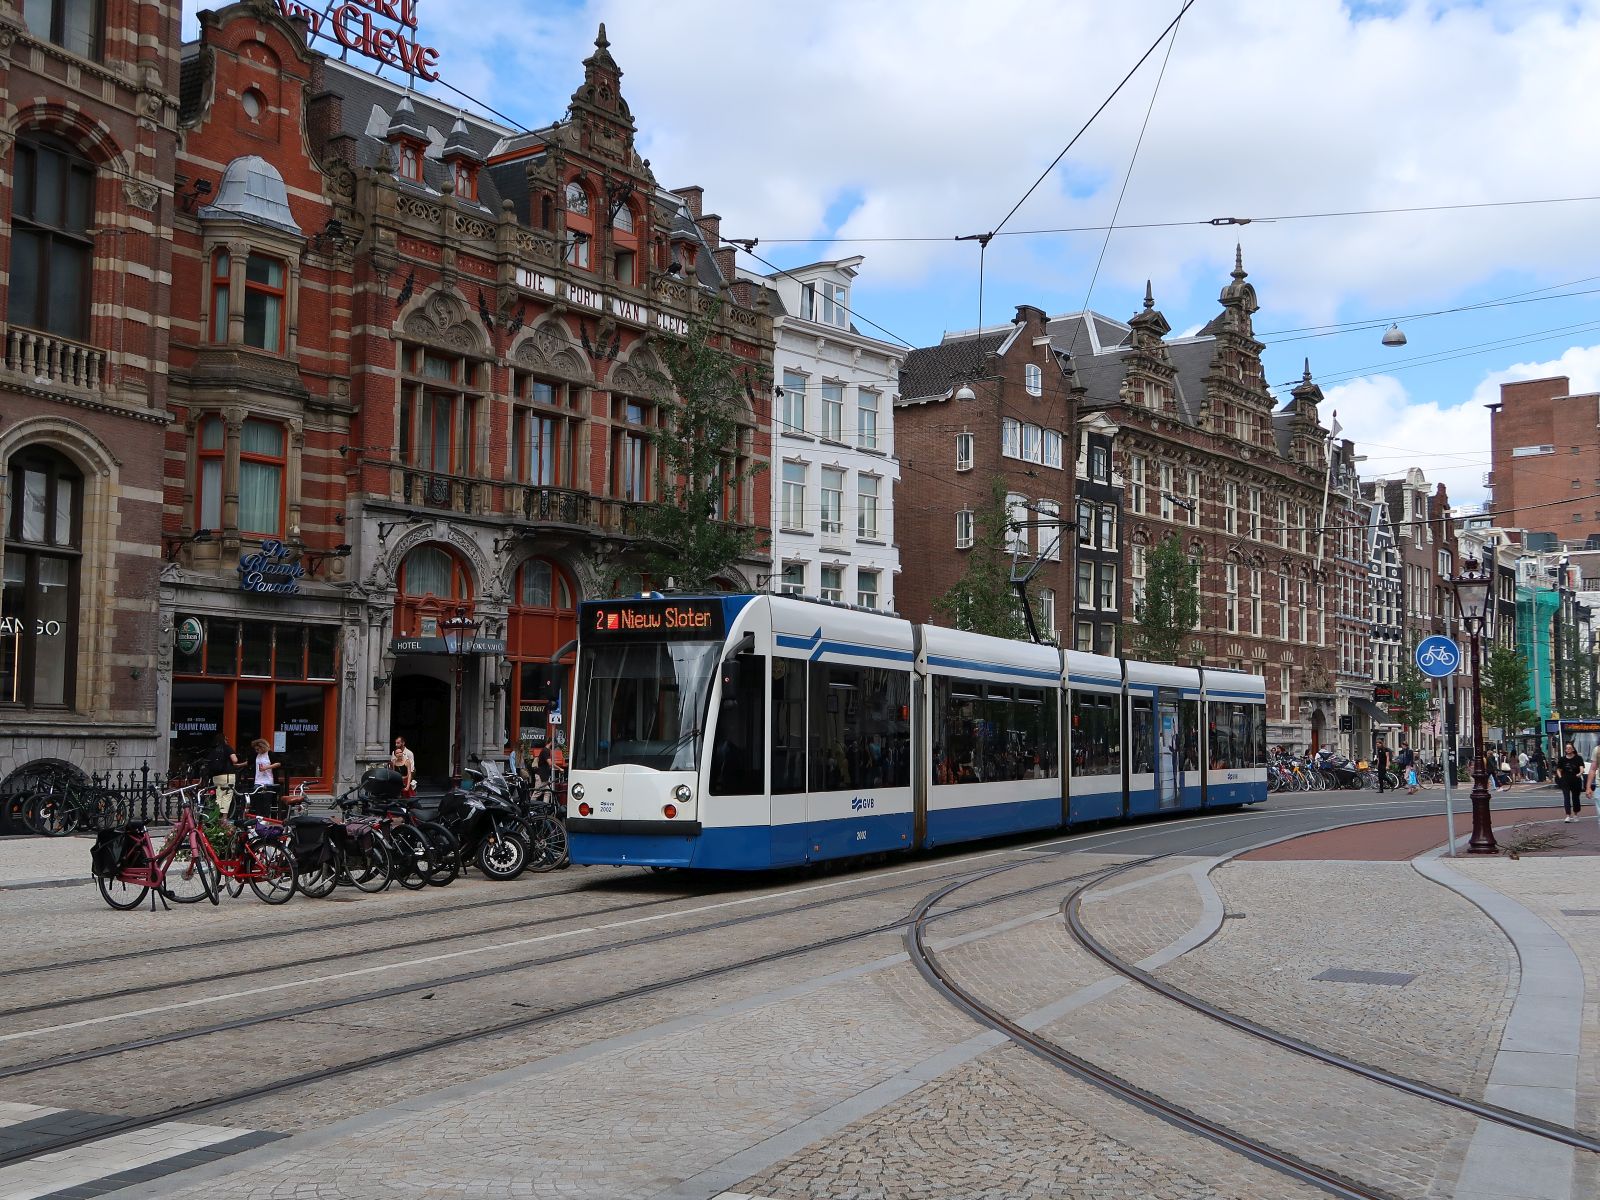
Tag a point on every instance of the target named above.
point(930, 372)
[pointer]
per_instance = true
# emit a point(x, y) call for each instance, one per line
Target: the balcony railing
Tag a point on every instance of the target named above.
point(559, 506)
point(47, 359)
point(447, 492)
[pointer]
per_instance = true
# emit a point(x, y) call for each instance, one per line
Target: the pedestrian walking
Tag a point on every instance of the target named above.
point(1594, 769)
point(1406, 763)
point(1536, 760)
point(222, 765)
point(1525, 766)
point(1380, 755)
point(1570, 775)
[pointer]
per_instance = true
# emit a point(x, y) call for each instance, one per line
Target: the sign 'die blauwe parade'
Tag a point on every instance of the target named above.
point(270, 570)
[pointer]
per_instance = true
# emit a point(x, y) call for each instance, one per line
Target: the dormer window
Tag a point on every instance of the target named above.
point(411, 161)
point(825, 303)
point(466, 181)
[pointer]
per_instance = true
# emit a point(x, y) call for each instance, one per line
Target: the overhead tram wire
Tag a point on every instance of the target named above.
point(1360, 324)
point(1127, 175)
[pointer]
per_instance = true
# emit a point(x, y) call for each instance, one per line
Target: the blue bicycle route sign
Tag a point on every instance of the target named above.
point(1438, 656)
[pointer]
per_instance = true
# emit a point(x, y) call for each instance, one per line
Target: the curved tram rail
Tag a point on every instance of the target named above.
point(928, 965)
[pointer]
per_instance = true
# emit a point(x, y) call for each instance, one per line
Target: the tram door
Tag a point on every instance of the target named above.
point(1169, 755)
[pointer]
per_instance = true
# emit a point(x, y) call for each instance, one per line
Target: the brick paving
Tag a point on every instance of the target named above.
point(1393, 841)
point(633, 1099)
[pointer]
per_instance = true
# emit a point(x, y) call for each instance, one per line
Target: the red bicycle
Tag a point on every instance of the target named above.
point(187, 868)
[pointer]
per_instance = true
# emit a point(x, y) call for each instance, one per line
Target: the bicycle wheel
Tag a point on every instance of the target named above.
point(51, 814)
point(547, 843)
point(190, 879)
point(120, 894)
point(412, 855)
point(446, 858)
point(277, 882)
point(369, 869)
point(319, 880)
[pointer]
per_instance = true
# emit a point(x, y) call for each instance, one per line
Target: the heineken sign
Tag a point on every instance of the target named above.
point(382, 30)
point(190, 636)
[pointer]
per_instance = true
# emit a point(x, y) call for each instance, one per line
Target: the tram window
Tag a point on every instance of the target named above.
point(1234, 736)
point(1096, 735)
point(992, 733)
point(860, 729)
point(736, 758)
point(1142, 747)
point(788, 726)
point(1258, 716)
point(1189, 714)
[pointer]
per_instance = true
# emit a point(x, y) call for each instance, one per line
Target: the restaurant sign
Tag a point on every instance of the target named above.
point(353, 26)
point(271, 570)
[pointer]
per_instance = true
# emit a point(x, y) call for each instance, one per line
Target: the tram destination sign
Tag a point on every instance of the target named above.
point(653, 620)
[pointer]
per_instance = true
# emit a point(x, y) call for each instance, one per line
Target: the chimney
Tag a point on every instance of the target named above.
point(710, 229)
point(694, 197)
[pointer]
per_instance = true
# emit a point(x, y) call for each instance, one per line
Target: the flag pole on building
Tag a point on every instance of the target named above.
point(1327, 484)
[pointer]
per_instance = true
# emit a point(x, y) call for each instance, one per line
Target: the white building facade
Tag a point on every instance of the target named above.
point(834, 471)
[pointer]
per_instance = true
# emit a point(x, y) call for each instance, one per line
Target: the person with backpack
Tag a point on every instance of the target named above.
point(222, 767)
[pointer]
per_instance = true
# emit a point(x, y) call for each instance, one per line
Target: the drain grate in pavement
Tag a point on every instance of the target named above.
point(1580, 912)
point(1346, 975)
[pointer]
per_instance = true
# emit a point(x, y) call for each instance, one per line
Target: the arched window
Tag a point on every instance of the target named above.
point(52, 211)
point(580, 226)
point(39, 599)
point(434, 584)
point(1033, 379)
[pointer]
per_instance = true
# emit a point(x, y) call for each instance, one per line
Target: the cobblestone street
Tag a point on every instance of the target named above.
point(604, 1033)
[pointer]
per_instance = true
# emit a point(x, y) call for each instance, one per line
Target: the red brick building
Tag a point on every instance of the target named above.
point(1545, 444)
point(87, 141)
point(980, 406)
point(414, 389)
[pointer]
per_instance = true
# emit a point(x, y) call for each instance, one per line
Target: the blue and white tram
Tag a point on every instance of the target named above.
point(748, 732)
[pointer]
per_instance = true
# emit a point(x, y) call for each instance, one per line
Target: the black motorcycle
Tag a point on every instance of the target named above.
point(486, 822)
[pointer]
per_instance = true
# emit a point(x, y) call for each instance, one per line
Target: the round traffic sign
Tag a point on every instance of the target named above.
point(1438, 656)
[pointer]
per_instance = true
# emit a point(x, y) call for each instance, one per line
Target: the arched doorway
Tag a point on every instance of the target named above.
point(434, 677)
point(1317, 723)
point(543, 622)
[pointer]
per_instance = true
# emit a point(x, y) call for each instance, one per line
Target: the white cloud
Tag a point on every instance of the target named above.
point(1450, 443)
point(1580, 364)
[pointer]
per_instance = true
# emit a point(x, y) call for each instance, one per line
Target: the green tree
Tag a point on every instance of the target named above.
point(1171, 604)
point(983, 600)
point(1506, 698)
point(703, 393)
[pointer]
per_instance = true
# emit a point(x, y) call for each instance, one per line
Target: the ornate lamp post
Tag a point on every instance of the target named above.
point(1474, 587)
point(459, 628)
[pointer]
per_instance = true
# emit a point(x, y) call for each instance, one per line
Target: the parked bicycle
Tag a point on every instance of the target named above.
point(128, 867)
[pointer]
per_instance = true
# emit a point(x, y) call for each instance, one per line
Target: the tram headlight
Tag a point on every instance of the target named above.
point(577, 791)
point(683, 793)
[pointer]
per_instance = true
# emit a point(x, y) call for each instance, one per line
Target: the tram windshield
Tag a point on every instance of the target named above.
point(643, 703)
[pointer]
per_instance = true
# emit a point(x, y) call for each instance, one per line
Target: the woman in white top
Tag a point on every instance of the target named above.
point(264, 764)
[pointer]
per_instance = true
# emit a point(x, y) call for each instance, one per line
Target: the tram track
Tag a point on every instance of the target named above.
point(943, 981)
point(1071, 911)
point(197, 1108)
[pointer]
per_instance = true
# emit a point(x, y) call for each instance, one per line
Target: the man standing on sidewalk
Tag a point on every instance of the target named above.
point(1380, 761)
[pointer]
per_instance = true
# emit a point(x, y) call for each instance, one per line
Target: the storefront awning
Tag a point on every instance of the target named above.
point(1376, 714)
point(447, 645)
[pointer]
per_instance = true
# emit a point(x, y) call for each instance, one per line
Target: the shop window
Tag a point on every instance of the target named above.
point(73, 25)
point(39, 595)
point(250, 679)
point(264, 293)
point(439, 405)
point(545, 432)
point(52, 211)
point(262, 467)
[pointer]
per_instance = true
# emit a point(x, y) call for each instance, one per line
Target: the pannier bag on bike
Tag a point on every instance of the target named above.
point(311, 841)
point(114, 849)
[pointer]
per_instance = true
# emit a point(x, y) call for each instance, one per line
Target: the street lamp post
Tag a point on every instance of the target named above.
point(459, 628)
point(1474, 587)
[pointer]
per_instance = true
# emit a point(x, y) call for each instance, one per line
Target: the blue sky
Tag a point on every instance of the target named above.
point(871, 119)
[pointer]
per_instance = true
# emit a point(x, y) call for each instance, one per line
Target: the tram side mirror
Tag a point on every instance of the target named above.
point(742, 677)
